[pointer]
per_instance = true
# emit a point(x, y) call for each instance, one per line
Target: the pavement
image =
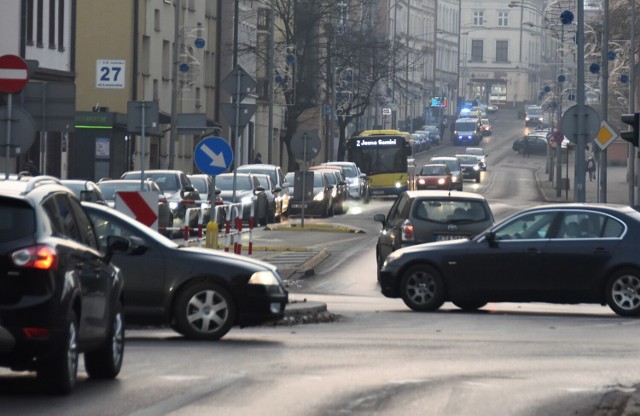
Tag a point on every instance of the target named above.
point(295, 261)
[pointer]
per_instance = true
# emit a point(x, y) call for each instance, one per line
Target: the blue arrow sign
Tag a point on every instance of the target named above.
point(213, 155)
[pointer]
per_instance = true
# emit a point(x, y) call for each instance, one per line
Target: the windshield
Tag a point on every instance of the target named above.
point(270, 172)
point(166, 181)
point(200, 184)
point(447, 211)
point(433, 170)
point(109, 189)
point(466, 126)
point(225, 183)
point(468, 160)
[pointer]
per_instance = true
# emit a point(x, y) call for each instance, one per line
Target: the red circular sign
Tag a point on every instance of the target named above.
point(14, 73)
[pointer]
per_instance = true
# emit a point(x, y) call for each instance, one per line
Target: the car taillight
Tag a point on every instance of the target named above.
point(407, 231)
point(36, 257)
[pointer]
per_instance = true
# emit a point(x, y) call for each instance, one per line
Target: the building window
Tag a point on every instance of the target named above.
point(478, 18)
point(40, 24)
point(503, 19)
point(52, 24)
point(477, 50)
point(166, 60)
point(156, 20)
point(29, 23)
point(61, 26)
point(502, 51)
point(146, 56)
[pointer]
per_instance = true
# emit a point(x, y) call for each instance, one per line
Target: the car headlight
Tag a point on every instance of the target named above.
point(398, 185)
point(421, 181)
point(441, 181)
point(173, 205)
point(319, 196)
point(264, 277)
point(476, 167)
point(454, 178)
point(247, 200)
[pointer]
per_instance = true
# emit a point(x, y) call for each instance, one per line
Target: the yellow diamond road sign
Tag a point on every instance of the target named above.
point(605, 136)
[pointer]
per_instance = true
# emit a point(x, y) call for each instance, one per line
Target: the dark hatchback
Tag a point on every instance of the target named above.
point(563, 253)
point(201, 293)
point(59, 294)
point(418, 217)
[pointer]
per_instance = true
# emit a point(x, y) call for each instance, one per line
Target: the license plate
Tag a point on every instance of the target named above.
point(298, 205)
point(377, 192)
point(446, 237)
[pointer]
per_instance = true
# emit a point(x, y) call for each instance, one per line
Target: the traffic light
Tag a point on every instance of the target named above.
point(634, 121)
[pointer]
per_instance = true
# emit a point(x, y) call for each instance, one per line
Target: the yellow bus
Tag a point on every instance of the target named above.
point(382, 156)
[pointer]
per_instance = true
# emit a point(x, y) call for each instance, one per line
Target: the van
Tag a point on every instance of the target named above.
point(467, 132)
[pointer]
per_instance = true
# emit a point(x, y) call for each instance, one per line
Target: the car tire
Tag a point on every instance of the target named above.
point(422, 288)
point(106, 361)
point(470, 305)
point(478, 179)
point(623, 292)
point(59, 372)
point(204, 311)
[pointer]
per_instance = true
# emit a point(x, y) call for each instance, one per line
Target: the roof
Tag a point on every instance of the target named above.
point(445, 194)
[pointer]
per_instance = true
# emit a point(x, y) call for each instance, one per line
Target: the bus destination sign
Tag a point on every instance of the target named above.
point(380, 141)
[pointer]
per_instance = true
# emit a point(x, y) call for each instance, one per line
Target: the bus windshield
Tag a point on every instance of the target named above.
point(379, 159)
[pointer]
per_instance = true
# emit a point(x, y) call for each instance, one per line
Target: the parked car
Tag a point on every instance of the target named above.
point(470, 167)
point(356, 180)
point(537, 145)
point(418, 217)
point(340, 192)
point(60, 296)
point(318, 201)
point(454, 167)
point(208, 192)
point(274, 199)
point(492, 108)
point(278, 178)
point(478, 152)
point(110, 187)
point(541, 254)
point(85, 190)
point(248, 192)
point(434, 134)
point(178, 190)
point(434, 176)
point(201, 293)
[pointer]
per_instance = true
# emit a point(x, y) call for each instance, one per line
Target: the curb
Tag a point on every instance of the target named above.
point(315, 227)
point(308, 267)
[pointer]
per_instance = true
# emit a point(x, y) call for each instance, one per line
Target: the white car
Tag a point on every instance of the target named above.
point(357, 181)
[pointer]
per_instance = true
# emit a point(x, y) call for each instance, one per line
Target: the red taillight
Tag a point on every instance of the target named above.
point(407, 231)
point(36, 257)
point(36, 332)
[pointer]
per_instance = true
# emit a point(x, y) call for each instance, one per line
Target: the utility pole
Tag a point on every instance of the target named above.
point(270, 78)
point(173, 136)
point(604, 102)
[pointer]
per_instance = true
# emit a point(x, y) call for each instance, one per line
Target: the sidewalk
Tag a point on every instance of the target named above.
point(617, 187)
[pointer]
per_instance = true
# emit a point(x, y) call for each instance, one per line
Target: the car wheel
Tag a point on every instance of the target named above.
point(478, 179)
point(470, 305)
point(623, 292)
point(59, 372)
point(367, 196)
point(106, 361)
point(422, 288)
point(204, 311)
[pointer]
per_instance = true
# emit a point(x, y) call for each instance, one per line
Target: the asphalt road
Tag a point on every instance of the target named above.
point(376, 356)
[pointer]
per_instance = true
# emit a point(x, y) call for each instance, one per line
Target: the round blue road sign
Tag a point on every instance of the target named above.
point(213, 155)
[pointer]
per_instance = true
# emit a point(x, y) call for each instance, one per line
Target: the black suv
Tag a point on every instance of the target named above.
point(59, 294)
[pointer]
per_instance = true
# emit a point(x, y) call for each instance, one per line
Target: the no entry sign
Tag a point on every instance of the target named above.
point(14, 73)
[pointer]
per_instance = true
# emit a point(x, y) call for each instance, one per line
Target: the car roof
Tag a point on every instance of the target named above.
point(443, 158)
point(257, 165)
point(444, 194)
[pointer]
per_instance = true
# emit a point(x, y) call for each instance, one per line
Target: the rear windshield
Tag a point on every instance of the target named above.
point(166, 181)
point(17, 220)
point(446, 210)
point(109, 189)
point(243, 183)
point(466, 126)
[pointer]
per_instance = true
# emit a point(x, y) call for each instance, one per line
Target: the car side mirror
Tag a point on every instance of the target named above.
point(379, 218)
point(116, 244)
point(490, 236)
point(137, 245)
point(277, 188)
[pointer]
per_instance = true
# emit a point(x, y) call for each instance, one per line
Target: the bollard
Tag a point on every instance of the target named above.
point(212, 235)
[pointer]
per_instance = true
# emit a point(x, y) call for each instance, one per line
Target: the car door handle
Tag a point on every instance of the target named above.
point(533, 250)
point(601, 251)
